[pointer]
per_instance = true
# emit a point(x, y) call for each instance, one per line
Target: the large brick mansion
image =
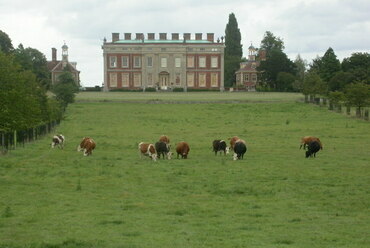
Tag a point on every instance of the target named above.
point(147, 62)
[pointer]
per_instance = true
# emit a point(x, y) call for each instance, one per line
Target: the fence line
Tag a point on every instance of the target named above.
point(323, 102)
point(11, 140)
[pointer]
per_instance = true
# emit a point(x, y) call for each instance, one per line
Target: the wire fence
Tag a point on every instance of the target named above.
point(12, 140)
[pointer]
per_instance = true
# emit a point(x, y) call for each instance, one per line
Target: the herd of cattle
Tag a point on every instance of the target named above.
point(163, 147)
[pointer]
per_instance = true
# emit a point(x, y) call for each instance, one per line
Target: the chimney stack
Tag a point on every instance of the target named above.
point(163, 36)
point(198, 36)
point(115, 37)
point(175, 36)
point(210, 37)
point(186, 36)
point(151, 36)
point(139, 36)
point(54, 54)
point(127, 36)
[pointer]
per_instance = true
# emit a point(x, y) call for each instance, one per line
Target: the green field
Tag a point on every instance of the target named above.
point(275, 197)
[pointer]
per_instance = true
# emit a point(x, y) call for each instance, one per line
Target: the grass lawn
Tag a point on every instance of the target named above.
point(275, 197)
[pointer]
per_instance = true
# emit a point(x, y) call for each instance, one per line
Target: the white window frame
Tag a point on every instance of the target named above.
point(202, 62)
point(113, 80)
point(149, 61)
point(127, 60)
point(137, 79)
point(214, 62)
point(164, 62)
point(125, 79)
point(214, 79)
point(190, 79)
point(190, 61)
point(202, 80)
point(177, 62)
point(137, 61)
point(112, 61)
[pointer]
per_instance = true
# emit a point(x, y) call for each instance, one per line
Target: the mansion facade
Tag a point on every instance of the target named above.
point(147, 62)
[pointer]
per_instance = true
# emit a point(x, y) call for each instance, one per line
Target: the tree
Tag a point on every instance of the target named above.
point(233, 50)
point(313, 85)
point(21, 97)
point(271, 42)
point(340, 80)
point(300, 65)
point(358, 95)
point(5, 43)
point(330, 65)
point(276, 62)
point(358, 65)
point(35, 61)
point(284, 81)
point(65, 89)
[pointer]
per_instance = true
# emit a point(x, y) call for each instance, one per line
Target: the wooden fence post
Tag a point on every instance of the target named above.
point(366, 115)
point(339, 108)
point(15, 139)
point(324, 101)
point(348, 110)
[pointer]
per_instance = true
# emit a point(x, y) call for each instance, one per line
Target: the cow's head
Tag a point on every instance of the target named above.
point(169, 154)
point(154, 156)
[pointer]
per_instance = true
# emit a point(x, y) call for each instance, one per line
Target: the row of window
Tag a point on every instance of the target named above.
point(247, 77)
point(125, 62)
point(137, 82)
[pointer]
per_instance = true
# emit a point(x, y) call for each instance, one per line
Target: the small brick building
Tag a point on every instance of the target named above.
point(247, 75)
point(162, 63)
point(57, 67)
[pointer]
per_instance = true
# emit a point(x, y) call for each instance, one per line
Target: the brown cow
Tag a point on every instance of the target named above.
point(165, 139)
point(87, 145)
point(147, 149)
point(232, 141)
point(307, 139)
point(183, 149)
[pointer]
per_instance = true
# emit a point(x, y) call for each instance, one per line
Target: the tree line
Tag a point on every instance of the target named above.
point(346, 82)
point(27, 98)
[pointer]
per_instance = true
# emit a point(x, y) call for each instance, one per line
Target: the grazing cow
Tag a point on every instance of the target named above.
point(233, 140)
point(58, 140)
point(307, 139)
point(313, 147)
point(147, 149)
point(87, 145)
point(183, 149)
point(165, 139)
point(239, 149)
point(164, 149)
point(219, 146)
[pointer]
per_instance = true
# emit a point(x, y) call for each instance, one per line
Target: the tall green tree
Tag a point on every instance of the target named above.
point(301, 68)
point(21, 97)
point(233, 50)
point(359, 66)
point(330, 65)
point(35, 61)
point(271, 42)
point(276, 62)
point(66, 89)
point(313, 85)
point(6, 45)
point(339, 81)
point(358, 95)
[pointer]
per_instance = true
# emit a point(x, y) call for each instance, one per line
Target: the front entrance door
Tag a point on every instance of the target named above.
point(164, 80)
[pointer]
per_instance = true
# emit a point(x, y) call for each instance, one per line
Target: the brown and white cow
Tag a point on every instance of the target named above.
point(87, 145)
point(307, 139)
point(58, 140)
point(147, 149)
point(183, 149)
point(165, 139)
point(232, 141)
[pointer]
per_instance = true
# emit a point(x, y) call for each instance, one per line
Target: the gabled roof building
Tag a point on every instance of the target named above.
point(57, 67)
point(247, 75)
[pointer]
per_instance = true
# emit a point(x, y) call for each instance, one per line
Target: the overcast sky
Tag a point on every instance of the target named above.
point(307, 27)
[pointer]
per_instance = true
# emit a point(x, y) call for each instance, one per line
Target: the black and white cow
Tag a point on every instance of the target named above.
point(313, 147)
point(239, 149)
point(220, 146)
point(163, 149)
point(58, 140)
